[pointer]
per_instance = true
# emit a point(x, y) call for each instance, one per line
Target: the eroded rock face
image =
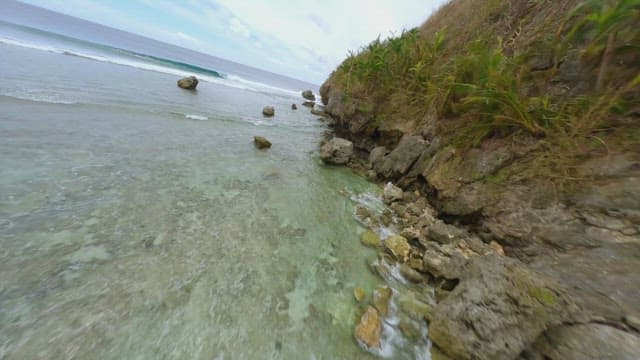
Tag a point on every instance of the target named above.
point(586, 342)
point(399, 161)
point(336, 151)
point(188, 83)
point(391, 193)
point(498, 310)
point(369, 329)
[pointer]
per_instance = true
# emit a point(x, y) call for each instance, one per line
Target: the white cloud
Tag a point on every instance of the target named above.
point(239, 28)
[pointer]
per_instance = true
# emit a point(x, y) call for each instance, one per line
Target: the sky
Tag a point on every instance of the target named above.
point(303, 39)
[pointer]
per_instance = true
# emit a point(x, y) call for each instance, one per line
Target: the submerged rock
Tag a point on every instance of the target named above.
point(398, 246)
point(318, 112)
point(369, 329)
point(369, 238)
point(309, 104)
point(381, 298)
point(294, 107)
point(359, 293)
point(261, 142)
point(188, 83)
point(336, 151)
point(268, 111)
point(308, 94)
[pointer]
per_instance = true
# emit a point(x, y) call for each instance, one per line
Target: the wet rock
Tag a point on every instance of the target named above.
point(369, 329)
point(268, 111)
point(414, 307)
point(359, 293)
point(411, 274)
point(369, 238)
point(188, 83)
point(398, 246)
point(443, 261)
point(391, 193)
point(309, 104)
point(483, 316)
point(318, 112)
point(399, 161)
point(381, 298)
point(308, 94)
point(336, 151)
point(586, 342)
point(294, 107)
point(409, 329)
point(261, 142)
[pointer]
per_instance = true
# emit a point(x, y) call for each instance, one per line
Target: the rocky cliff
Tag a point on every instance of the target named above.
point(519, 122)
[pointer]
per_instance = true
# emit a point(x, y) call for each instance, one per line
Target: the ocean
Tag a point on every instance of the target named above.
point(138, 221)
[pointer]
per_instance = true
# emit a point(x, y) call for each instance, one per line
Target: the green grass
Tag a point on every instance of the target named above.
point(484, 87)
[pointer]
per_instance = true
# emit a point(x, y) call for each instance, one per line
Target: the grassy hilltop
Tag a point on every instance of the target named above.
point(566, 73)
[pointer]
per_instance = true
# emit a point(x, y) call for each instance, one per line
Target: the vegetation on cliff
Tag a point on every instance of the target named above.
point(566, 73)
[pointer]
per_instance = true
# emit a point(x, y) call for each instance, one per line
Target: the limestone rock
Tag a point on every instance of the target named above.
point(369, 329)
point(336, 151)
point(381, 298)
point(398, 246)
point(308, 94)
point(414, 307)
point(587, 342)
point(443, 233)
point(400, 160)
point(391, 193)
point(410, 274)
point(268, 111)
point(377, 155)
point(369, 238)
point(188, 83)
point(483, 316)
point(261, 142)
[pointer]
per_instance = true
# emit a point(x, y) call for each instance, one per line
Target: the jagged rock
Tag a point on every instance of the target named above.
point(336, 151)
point(399, 161)
point(318, 112)
point(294, 107)
point(410, 274)
point(391, 193)
point(376, 156)
point(496, 247)
point(444, 233)
point(308, 94)
point(369, 238)
point(369, 329)
point(586, 342)
point(381, 298)
point(398, 246)
point(261, 142)
point(309, 104)
point(443, 261)
point(268, 111)
point(483, 316)
point(414, 307)
point(188, 83)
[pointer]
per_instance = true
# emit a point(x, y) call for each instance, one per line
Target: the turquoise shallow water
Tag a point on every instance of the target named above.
point(129, 230)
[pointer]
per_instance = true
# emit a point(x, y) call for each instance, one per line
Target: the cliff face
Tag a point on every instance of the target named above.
point(520, 121)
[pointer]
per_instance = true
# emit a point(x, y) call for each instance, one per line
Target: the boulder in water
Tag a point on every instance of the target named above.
point(308, 94)
point(369, 329)
point(268, 111)
point(294, 107)
point(336, 151)
point(188, 83)
point(309, 104)
point(261, 142)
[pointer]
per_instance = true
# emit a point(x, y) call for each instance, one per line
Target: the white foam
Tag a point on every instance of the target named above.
point(230, 80)
point(196, 117)
point(43, 96)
